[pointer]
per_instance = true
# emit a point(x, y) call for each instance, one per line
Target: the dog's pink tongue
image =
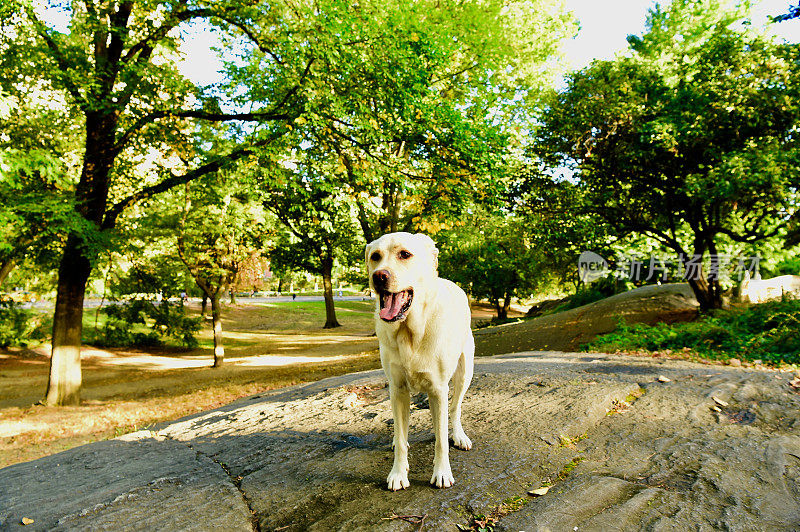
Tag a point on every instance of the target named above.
point(394, 302)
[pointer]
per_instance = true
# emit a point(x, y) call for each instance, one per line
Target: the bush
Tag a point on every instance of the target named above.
point(768, 332)
point(600, 289)
point(167, 320)
point(18, 326)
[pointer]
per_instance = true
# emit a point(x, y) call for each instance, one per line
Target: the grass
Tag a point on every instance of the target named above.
point(488, 521)
point(267, 346)
point(769, 332)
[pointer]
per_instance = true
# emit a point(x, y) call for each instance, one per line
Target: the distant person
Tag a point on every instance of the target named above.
point(294, 296)
point(184, 298)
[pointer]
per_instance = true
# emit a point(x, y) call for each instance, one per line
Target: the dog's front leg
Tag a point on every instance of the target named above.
point(442, 475)
point(401, 406)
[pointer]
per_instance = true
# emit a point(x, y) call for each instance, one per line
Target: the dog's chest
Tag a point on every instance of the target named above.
point(407, 366)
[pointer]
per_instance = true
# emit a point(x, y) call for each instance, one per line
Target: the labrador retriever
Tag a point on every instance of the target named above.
point(423, 325)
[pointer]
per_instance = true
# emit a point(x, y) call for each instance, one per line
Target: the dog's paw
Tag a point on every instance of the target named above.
point(442, 477)
point(461, 440)
point(397, 480)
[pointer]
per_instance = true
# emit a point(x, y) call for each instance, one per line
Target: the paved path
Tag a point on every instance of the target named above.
point(704, 447)
point(95, 302)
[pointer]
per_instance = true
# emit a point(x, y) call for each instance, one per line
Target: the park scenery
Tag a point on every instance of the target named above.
point(187, 331)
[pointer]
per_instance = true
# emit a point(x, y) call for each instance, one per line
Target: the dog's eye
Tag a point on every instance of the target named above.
point(376, 256)
point(404, 254)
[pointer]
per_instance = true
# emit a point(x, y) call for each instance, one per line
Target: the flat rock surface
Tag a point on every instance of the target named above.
point(706, 447)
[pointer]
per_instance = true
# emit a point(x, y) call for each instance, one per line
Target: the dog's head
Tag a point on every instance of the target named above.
point(400, 264)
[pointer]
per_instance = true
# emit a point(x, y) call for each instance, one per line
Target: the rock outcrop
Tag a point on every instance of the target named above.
point(625, 443)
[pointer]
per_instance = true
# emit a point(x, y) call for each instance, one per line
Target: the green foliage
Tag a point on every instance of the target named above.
point(689, 137)
point(18, 326)
point(490, 258)
point(165, 319)
point(222, 223)
point(768, 332)
point(155, 274)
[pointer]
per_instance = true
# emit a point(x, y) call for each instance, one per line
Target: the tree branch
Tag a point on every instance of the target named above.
point(112, 213)
point(57, 56)
point(258, 116)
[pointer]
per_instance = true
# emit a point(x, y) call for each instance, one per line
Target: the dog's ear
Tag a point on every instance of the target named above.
point(366, 252)
point(431, 245)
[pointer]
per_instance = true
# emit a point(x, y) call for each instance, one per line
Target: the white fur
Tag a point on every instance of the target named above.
point(424, 351)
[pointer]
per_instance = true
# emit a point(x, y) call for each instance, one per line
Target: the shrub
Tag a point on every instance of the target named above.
point(166, 320)
point(769, 332)
point(18, 326)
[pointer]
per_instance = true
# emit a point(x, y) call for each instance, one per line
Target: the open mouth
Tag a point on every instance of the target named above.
point(394, 305)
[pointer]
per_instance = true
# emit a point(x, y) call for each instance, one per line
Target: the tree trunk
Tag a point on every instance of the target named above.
point(204, 306)
point(327, 285)
point(6, 268)
point(216, 323)
point(91, 195)
point(64, 385)
point(503, 311)
point(232, 295)
point(707, 291)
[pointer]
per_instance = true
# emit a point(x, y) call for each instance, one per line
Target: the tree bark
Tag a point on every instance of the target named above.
point(504, 309)
point(216, 323)
point(327, 285)
point(64, 385)
point(232, 296)
point(6, 268)
point(91, 194)
point(707, 291)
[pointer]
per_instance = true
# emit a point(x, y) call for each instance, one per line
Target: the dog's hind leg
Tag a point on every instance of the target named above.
point(461, 380)
point(401, 406)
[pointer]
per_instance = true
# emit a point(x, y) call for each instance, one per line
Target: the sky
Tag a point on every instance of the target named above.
point(605, 24)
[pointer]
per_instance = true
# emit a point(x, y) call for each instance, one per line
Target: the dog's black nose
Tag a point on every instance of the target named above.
point(380, 279)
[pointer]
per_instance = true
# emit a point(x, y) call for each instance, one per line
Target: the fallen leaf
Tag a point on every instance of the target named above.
point(27, 521)
point(662, 378)
point(538, 492)
point(719, 401)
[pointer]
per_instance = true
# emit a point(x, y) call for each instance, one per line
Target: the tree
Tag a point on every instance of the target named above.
point(319, 226)
point(221, 226)
point(490, 257)
point(688, 139)
point(115, 68)
point(413, 112)
point(34, 149)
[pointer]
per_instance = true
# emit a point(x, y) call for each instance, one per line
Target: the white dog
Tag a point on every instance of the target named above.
point(423, 325)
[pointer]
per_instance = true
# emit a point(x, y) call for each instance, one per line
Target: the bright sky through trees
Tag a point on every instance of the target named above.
point(605, 24)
